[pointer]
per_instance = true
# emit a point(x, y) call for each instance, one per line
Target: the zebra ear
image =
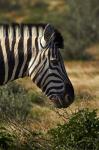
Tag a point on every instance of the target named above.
point(48, 35)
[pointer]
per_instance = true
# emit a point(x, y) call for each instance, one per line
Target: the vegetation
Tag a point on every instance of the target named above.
point(82, 28)
point(14, 102)
point(7, 140)
point(80, 132)
point(27, 119)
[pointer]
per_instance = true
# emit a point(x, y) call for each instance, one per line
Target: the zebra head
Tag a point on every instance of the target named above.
point(49, 72)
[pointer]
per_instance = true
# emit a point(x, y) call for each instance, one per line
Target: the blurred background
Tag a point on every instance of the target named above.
point(77, 20)
point(26, 115)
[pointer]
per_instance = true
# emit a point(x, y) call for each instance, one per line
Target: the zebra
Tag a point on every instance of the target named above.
point(34, 50)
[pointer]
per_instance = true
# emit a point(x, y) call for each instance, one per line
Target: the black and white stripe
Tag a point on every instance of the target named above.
point(33, 50)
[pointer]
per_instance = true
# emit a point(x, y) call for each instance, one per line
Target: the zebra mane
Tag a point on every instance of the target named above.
point(58, 37)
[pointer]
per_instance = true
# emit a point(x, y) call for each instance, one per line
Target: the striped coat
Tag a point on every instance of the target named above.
point(33, 50)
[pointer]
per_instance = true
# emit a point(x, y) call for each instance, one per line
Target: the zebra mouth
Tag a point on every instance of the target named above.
point(57, 101)
point(60, 102)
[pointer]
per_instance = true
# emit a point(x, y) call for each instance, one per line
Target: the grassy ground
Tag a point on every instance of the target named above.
point(85, 78)
point(43, 116)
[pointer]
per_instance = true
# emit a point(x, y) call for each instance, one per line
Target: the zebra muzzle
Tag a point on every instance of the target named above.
point(62, 101)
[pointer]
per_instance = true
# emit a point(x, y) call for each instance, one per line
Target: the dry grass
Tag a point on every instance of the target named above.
point(85, 78)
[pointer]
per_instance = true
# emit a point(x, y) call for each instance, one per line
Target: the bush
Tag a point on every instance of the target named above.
point(80, 132)
point(36, 98)
point(14, 102)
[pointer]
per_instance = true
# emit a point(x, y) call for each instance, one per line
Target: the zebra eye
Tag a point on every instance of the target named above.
point(54, 61)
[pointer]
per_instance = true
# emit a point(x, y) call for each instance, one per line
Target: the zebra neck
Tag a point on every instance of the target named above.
point(14, 58)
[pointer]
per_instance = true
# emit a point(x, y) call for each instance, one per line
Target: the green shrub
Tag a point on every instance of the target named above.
point(36, 97)
point(81, 132)
point(14, 102)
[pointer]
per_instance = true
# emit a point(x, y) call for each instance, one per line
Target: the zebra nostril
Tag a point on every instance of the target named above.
point(69, 96)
